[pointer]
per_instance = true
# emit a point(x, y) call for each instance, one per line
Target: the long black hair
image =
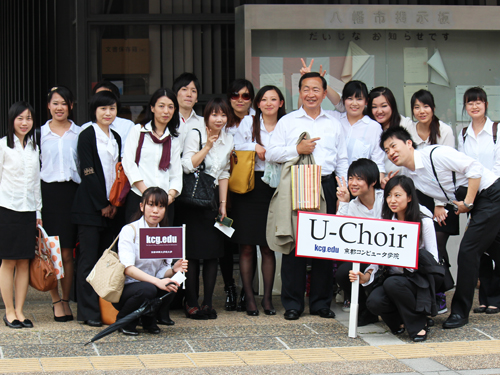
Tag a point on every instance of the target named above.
point(425, 97)
point(173, 124)
point(357, 89)
point(258, 111)
point(15, 110)
point(395, 119)
point(412, 209)
point(157, 197)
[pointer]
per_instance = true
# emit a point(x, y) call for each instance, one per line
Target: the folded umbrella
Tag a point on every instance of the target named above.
point(148, 308)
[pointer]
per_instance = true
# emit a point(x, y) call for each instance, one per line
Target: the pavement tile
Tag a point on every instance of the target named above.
point(465, 362)
point(491, 328)
point(331, 327)
point(216, 359)
point(235, 344)
point(359, 367)
point(141, 347)
point(19, 336)
point(295, 369)
point(40, 351)
point(265, 330)
point(320, 341)
point(154, 361)
point(424, 364)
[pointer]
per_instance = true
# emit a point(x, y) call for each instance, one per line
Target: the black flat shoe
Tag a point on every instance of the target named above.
point(14, 324)
point(194, 313)
point(59, 319)
point(129, 332)
point(398, 331)
point(154, 329)
point(480, 310)
point(26, 323)
point(490, 310)
point(421, 338)
point(325, 313)
point(93, 323)
point(165, 322)
point(268, 312)
point(209, 312)
point(253, 312)
point(291, 314)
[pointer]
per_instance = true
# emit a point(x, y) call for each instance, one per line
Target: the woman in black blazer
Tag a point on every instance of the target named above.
point(98, 150)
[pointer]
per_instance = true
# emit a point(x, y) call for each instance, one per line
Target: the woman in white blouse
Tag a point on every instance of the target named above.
point(20, 210)
point(60, 179)
point(406, 296)
point(427, 131)
point(203, 240)
point(362, 134)
point(98, 151)
point(479, 140)
point(145, 279)
point(152, 151)
point(254, 134)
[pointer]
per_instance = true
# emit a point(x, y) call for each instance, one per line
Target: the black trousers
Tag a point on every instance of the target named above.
point(395, 302)
point(293, 269)
point(482, 235)
point(93, 241)
point(345, 284)
point(489, 277)
point(134, 295)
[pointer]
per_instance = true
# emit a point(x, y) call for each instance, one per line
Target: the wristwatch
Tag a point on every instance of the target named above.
point(469, 206)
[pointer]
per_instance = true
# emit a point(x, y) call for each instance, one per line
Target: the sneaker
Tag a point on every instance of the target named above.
point(339, 298)
point(347, 306)
point(441, 303)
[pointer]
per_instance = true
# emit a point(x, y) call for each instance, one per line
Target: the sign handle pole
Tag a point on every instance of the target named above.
point(353, 313)
point(184, 251)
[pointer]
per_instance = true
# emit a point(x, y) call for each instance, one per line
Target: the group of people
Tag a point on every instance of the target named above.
point(363, 147)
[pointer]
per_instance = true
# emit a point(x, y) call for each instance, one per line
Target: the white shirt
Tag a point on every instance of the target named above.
point(107, 148)
point(330, 151)
point(59, 154)
point(243, 139)
point(406, 122)
point(148, 169)
point(446, 160)
point(482, 148)
point(446, 136)
point(362, 139)
point(121, 125)
point(427, 243)
point(192, 122)
point(129, 253)
point(357, 209)
point(20, 177)
point(217, 160)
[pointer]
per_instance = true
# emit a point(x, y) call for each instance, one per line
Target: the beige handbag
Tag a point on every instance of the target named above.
point(108, 277)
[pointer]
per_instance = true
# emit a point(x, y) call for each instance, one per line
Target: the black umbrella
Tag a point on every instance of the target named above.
point(148, 308)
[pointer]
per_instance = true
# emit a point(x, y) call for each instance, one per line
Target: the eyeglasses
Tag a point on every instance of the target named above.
point(476, 103)
point(245, 96)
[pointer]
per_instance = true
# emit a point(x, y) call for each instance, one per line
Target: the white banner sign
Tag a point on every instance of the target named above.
point(354, 239)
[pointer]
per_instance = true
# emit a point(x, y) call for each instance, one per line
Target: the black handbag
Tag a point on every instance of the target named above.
point(198, 188)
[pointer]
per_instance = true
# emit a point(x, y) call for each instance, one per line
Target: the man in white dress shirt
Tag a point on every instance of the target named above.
point(433, 175)
point(328, 148)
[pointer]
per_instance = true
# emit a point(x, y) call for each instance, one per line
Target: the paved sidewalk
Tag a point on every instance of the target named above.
point(239, 344)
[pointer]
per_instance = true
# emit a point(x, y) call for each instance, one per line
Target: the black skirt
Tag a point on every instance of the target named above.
point(203, 240)
point(249, 212)
point(57, 198)
point(452, 221)
point(18, 234)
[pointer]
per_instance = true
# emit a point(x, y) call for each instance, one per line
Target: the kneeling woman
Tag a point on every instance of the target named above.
point(145, 278)
point(406, 296)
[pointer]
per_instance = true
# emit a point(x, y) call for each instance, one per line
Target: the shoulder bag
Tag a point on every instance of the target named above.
point(242, 178)
point(198, 187)
point(42, 273)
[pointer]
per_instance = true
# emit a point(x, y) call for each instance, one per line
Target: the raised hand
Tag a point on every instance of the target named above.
point(342, 190)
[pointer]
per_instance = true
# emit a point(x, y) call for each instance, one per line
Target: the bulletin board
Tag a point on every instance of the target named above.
point(443, 55)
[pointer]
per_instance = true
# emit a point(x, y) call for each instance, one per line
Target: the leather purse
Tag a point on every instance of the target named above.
point(42, 274)
point(198, 187)
point(120, 188)
point(242, 178)
point(108, 277)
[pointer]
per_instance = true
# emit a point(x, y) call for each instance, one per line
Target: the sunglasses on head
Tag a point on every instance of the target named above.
point(245, 96)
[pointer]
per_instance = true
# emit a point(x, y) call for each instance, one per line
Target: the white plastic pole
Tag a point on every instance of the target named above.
point(353, 313)
point(184, 251)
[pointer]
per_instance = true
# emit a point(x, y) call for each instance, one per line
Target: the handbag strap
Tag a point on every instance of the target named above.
point(200, 167)
point(116, 239)
point(454, 177)
point(494, 131)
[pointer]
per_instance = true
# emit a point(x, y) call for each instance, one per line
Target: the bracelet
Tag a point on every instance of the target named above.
point(222, 202)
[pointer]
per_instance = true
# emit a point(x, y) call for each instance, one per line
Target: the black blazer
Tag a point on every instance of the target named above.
point(90, 196)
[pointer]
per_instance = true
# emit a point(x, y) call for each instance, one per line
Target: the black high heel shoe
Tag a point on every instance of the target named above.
point(14, 324)
point(70, 316)
point(231, 297)
point(242, 303)
point(60, 319)
point(268, 312)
